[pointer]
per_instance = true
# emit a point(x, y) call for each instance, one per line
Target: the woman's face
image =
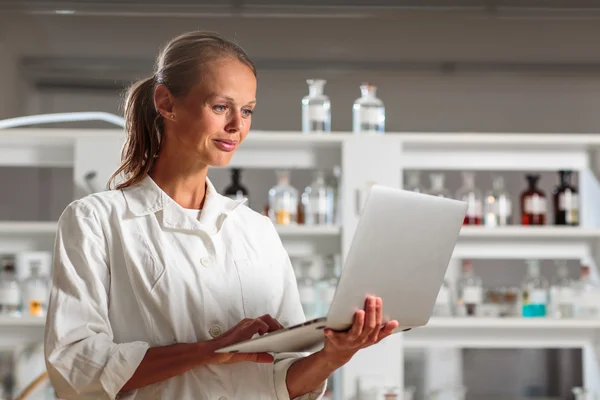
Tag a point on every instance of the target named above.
point(213, 119)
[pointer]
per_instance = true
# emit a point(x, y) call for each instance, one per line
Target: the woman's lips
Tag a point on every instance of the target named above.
point(225, 145)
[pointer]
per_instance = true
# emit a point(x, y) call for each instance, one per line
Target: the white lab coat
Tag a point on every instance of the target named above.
point(133, 270)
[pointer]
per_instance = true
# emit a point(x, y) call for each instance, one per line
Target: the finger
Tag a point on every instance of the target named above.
point(273, 324)
point(259, 326)
point(379, 308)
point(370, 318)
point(357, 325)
point(252, 357)
point(387, 330)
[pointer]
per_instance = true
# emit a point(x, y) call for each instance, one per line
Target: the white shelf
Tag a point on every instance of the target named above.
point(504, 333)
point(27, 228)
point(516, 242)
point(21, 322)
point(20, 331)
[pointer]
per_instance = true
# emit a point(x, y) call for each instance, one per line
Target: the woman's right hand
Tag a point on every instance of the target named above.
point(244, 330)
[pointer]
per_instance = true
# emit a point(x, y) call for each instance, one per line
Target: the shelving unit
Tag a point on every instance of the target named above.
point(365, 160)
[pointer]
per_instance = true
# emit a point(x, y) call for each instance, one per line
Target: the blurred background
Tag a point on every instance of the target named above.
point(518, 68)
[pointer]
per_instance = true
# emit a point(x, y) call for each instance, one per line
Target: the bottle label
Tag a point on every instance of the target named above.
point(535, 204)
point(589, 299)
point(538, 296)
point(472, 295)
point(564, 295)
point(504, 207)
point(10, 296)
point(443, 296)
point(317, 113)
point(474, 209)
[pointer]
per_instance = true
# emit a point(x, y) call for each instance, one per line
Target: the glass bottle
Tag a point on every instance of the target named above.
point(562, 295)
point(36, 292)
point(236, 190)
point(413, 182)
point(566, 201)
point(497, 206)
point(328, 283)
point(587, 301)
point(580, 393)
point(472, 196)
point(368, 112)
point(470, 291)
point(316, 108)
point(318, 202)
point(307, 292)
point(437, 186)
point(533, 203)
point(443, 302)
point(534, 292)
point(283, 200)
point(10, 290)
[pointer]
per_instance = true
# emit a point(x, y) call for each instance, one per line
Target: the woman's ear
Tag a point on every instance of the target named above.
point(164, 101)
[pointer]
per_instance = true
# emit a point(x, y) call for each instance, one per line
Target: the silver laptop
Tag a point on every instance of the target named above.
point(400, 252)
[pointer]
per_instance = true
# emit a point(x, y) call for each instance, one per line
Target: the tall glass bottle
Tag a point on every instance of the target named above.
point(562, 295)
point(236, 190)
point(316, 108)
point(413, 182)
point(10, 290)
point(368, 112)
point(533, 203)
point(283, 200)
point(587, 300)
point(443, 302)
point(470, 291)
point(497, 205)
point(437, 187)
point(36, 292)
point(472, 196)
point(566, 201)
point(307, 291)
point(534, 292)
point(318, 201)
point(328, 283)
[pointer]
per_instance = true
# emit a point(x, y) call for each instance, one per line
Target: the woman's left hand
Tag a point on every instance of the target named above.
point(367, 329)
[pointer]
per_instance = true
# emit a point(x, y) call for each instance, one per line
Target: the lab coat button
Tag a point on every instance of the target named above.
point(215, 331)
point(205, 261)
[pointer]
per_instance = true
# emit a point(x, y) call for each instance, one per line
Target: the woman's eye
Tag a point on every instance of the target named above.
point(247, 112)
point(220, 107)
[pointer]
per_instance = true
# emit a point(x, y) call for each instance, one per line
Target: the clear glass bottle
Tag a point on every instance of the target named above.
point(470, 291)
point(443, 302)
point(566, 201)
point(533, 203)
point(328, 282)
point(368, 112)
point(472, 196)
point(283, 200)
point(587, 292)
point(413, 182)
point(437, 187)
point(497, 205)
point(580, 393)
point(316, 108)
point(10, 290)
point(318, 202)
point(307, 291)
point(562, 295)
point(236, 190)
point(36, 291)
point(534, 292)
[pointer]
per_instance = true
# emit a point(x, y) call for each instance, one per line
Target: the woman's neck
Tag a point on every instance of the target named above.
point(183, 180)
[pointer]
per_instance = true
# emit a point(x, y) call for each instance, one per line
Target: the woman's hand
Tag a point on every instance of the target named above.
point(367, 329)
point(244, 330)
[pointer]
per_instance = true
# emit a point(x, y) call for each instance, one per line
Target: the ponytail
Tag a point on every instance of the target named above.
point(143, 135)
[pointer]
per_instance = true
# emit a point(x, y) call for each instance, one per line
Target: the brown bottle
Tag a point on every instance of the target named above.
point(533, 203)
point(566, 201)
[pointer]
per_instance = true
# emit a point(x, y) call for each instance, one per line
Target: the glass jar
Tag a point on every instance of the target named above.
point(316, 108)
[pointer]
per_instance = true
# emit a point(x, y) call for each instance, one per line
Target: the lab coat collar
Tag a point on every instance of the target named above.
point(147, 198)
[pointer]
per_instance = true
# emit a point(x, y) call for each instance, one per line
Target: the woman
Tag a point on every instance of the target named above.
point(153, 277)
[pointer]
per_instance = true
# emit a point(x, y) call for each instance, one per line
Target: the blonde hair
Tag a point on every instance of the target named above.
point(178, 66)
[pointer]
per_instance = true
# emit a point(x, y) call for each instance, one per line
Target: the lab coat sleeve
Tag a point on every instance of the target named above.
point(290, 310)
point(82, 360)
